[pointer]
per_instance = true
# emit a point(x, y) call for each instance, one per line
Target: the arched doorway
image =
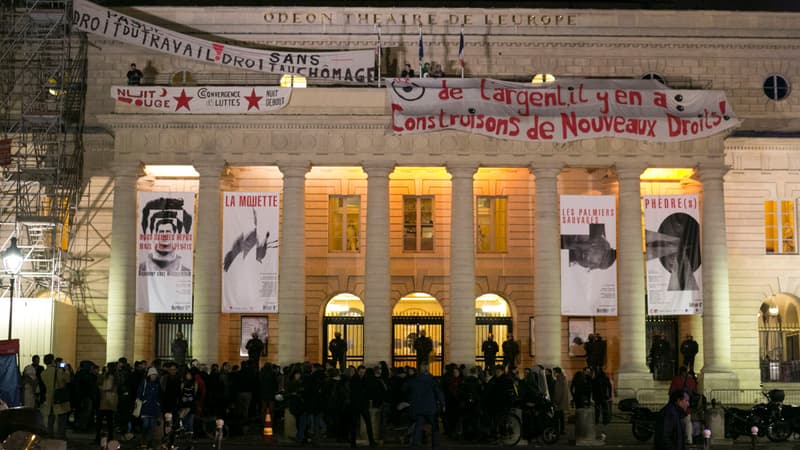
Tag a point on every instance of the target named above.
point(779, 338)
point(492, 315)
point(412, 313)
point(345, 313)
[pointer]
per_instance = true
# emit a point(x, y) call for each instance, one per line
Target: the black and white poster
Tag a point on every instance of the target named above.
point(250, 326)
point(672, 236)
point(164, 252)
point(588, 255)
point(250, 252)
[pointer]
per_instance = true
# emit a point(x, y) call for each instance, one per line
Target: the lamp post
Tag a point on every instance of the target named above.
point(12, 262)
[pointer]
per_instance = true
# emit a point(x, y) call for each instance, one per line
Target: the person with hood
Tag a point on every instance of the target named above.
point(149, 393)
point(560, 395)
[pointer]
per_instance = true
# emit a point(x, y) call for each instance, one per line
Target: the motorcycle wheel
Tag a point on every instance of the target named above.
point(550, 435)
point(509, 430)
point(778, 431)
point(641, 433)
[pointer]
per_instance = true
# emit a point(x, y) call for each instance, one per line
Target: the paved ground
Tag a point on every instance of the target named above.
point(618, 436)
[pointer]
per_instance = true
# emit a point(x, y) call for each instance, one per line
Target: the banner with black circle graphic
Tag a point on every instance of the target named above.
point(588, 255)
point(164, 242)
point(672, 237)
point(356, 66)
point(250, 252)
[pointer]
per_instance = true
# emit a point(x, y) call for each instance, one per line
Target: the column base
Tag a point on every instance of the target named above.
point(629, 382)
point(717, 379)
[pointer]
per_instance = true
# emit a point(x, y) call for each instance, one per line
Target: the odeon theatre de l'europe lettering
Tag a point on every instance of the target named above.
point(547, 173)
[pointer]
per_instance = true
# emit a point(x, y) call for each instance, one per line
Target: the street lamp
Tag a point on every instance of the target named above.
point(12, 262)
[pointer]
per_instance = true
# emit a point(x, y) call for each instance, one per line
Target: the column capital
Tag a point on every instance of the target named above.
point(628, 170)
point(209, 168)
point(546, 170)
point(379, 169)
point(294, 169)
point(122, 169)
point(461, 170)
point(709, 173)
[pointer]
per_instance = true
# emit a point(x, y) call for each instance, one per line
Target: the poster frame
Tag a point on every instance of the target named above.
point(579, 327)
point(245, 333)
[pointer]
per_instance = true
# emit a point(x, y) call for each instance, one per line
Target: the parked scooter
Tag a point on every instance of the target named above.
point(643, 419)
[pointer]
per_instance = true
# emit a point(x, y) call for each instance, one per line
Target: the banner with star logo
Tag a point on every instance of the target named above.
point(204, 100)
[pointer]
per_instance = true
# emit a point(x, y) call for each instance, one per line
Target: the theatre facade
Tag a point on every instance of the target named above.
point(382, 232)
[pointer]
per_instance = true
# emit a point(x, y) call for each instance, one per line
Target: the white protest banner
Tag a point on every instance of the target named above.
point(249, 252)
point(588, 255)
point(561, 111)
point(164, 257)
point(672, 237)
point(204, 100)
point(353, 66)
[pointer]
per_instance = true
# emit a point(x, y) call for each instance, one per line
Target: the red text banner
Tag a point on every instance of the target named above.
point(204, 100)
point(561, 111)
point(353, 66)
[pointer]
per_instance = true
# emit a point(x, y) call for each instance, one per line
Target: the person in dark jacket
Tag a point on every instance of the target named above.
point(149, 393)
point(338, 349)
point(510, 351)
point(581, 389)
point(426, 399)
point(489, 349)
point(359, 402)
point(601, 394)
point(423, 346)
point(255, 348)
point(670, 431)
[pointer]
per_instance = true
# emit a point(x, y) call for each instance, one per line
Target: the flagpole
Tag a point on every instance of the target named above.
point(380, 53)
point(461, 51)
point(421, 52)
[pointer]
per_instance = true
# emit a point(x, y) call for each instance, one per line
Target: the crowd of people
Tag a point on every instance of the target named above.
point(123, 400)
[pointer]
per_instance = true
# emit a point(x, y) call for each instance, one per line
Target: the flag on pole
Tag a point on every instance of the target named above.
point(421, 52)
point(378, 47)
point(461, 52)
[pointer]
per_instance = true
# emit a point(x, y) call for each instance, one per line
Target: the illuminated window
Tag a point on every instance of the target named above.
point(779, 226)
point(344, 222)
point(492, 228)
point(417, 223)
point(540, 78)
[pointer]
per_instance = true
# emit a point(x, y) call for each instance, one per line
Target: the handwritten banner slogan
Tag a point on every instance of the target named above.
point(204, 100)
point(561, 111)
point(348, 66)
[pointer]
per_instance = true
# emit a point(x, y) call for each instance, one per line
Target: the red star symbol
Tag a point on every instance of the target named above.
point(252, 100)
point(183, 100)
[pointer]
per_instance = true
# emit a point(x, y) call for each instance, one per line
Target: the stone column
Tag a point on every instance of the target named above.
point(716, 343)
point(207, 265)
point(462, 266)
point(292, 278)
point(547, 264)
point(633, 371)
point(122, 265)
point(378, 279)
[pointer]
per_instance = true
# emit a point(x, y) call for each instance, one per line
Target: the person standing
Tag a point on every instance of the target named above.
point(423, 346)
point(255, 347)
point(359, 402)
point(689, 349)
point(426, 399)
point(338, 349)
point(670, 431)
point(601, 394)
point(560, 396)
point(510, 351)
point(54, 408)
point(109, 400)
point(489, 349)
point(179, 350)
point(149, 393)
point(134, 76)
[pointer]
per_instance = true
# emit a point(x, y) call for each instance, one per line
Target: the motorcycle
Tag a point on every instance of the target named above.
point(768, 417)
point(540, 420)
point(643, 419)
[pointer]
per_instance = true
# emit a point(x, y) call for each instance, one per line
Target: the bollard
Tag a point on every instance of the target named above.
point(706, 439)
point(218, 435)
point(585, 433)
point(753, 436)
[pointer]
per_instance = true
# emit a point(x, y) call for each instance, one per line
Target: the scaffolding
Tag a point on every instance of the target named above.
point(42, 91)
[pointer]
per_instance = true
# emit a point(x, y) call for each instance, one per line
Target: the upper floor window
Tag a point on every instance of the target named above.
point(776, 87)
point(779, 226)
point(492, 230)
point(344, 224)
point(417, 223)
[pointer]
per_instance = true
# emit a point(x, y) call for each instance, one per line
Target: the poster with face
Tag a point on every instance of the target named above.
point(164, 257)
point(672, 238)
point(250, 252)
point(588, 255)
